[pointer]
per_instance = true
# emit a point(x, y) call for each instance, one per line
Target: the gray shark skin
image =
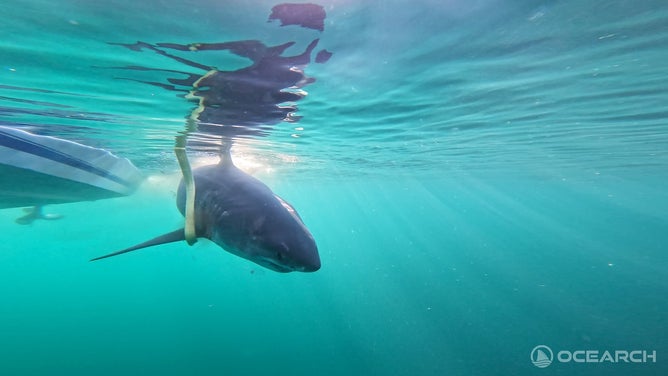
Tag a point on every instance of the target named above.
point(244, 217)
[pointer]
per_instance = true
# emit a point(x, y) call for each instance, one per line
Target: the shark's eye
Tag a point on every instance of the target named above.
point(279, 256)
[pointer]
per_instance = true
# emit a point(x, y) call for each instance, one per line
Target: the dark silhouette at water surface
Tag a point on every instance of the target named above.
point(310, 16)
point(251, 100)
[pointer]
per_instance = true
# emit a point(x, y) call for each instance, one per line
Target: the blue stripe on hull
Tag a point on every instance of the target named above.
point(27, 146)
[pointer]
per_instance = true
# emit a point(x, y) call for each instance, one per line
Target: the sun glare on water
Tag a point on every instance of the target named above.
point(243, 156)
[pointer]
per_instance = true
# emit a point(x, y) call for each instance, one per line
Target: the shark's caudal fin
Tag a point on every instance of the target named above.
point(170, 237)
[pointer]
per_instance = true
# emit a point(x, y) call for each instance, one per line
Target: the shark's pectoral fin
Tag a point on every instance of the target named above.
point(170, 237)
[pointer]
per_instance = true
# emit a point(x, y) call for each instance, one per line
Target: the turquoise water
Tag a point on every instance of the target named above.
point(481, 178)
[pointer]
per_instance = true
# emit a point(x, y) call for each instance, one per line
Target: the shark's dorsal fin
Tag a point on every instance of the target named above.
point(170, 237)
point(225, 156)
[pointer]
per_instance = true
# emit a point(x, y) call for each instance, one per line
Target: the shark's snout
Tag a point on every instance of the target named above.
point(309, 267)
point(314, 267)
point(306, 256)
point(312, 263)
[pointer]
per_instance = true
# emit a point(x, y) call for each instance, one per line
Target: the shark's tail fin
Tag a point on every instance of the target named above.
point(170, 237)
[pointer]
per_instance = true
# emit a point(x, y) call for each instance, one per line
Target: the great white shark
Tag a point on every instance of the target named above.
point(243, 216)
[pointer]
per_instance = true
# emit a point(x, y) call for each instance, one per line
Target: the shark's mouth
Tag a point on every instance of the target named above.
point(273, 265)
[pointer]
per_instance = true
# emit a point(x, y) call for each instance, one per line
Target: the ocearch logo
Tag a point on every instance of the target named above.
point(542, 356)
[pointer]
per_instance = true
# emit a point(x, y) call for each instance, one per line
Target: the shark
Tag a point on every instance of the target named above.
point(245, 217)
